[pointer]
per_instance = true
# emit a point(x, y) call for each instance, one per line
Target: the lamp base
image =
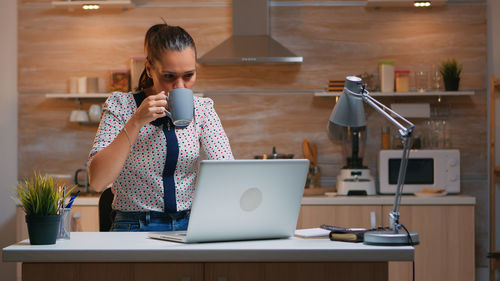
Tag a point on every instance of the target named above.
point(389, 238)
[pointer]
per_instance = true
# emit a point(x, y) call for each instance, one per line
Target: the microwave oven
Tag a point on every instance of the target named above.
point(431, 169)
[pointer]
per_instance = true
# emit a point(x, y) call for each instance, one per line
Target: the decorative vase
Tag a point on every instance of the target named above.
point(451, 83)
point(42, 230)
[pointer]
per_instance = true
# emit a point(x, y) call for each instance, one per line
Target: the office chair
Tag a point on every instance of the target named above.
point(106, 213)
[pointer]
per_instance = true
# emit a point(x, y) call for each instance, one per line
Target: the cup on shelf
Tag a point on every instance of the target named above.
point(82, 85)
point(436, 79)
point(421, 81)
point(95, 112)
point(92, 85)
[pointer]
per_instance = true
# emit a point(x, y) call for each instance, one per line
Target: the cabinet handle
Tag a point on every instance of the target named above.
point(222, 278)
point(185, 278)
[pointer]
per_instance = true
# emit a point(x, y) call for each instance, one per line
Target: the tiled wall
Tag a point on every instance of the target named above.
point(335, 41)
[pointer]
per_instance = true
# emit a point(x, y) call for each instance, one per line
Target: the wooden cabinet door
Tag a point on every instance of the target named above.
point(102, 271)
point(338, 215)
point(85, 218)
point(277, 271)
point(446, 250)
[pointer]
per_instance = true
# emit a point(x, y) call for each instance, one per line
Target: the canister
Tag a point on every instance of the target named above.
point(386, 72)
point(402, 80)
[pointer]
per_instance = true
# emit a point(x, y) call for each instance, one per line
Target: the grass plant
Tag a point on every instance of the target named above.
point(450, 69)
point(41, 195)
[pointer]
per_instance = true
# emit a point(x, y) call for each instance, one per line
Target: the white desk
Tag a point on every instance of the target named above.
point(133, 256)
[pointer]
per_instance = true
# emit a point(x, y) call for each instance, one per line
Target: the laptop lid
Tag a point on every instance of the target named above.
point(246, 199)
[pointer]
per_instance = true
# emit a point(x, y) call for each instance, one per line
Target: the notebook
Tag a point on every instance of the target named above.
point(244, 200)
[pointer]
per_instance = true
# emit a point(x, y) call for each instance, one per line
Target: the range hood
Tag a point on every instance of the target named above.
point(250, 41)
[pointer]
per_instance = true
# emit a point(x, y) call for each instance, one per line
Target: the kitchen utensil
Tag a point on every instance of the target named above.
point(314, 153)
point(306, 149)
point(82, 179)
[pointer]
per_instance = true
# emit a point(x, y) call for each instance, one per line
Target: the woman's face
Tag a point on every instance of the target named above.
point(174, 70)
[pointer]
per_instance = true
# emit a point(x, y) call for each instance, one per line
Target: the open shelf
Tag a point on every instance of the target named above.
point(89, 95)
point(402, 94)
point(116, 4)
point(77, 96)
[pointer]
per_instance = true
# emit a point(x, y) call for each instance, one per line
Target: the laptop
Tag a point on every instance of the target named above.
point(244, 200)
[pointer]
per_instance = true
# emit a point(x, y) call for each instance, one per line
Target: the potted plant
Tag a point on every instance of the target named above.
point(42, 200)
point(450, 70)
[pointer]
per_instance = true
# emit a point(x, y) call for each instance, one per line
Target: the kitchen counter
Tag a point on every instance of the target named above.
point(389, 200)
point(350, 200)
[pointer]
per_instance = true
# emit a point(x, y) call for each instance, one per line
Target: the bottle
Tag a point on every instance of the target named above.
point(386, 138)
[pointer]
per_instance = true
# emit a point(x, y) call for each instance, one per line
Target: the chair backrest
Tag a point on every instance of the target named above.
point(106, 213)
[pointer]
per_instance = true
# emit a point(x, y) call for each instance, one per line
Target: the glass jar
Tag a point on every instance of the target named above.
point(402, 80)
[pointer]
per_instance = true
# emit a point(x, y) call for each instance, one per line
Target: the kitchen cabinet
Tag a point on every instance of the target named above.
point(292, 271)
point(446, 233)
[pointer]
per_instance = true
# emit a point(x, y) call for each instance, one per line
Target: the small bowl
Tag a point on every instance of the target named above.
point(79, 115)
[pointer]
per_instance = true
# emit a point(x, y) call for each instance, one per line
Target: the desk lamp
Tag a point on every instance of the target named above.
point(349, 112)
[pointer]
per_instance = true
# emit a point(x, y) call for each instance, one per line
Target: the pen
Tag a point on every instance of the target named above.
point(72, 199)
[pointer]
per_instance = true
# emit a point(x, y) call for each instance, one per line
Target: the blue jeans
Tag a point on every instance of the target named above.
point(150, 221)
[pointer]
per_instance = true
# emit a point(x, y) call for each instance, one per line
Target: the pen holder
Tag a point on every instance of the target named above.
point(65, 224)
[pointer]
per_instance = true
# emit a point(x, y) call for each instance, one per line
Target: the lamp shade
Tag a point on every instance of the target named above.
point(349, 110)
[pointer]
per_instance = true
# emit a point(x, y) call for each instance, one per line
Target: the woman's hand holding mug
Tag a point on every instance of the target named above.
point(151, 108)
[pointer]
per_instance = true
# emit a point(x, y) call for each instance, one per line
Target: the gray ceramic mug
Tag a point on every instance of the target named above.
point(180, 103)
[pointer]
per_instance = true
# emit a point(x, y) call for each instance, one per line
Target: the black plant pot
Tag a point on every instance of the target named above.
point(42, 230)
point(451, 84)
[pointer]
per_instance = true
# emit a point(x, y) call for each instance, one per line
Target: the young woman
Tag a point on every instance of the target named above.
point(151, 163)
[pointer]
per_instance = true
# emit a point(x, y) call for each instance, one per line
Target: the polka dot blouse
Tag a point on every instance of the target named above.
point(139, 187)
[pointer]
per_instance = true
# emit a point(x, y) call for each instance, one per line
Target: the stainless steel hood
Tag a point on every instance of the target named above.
point(250, 42)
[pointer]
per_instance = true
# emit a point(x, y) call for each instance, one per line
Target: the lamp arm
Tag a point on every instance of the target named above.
point(406, 132)
point(384, 110)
